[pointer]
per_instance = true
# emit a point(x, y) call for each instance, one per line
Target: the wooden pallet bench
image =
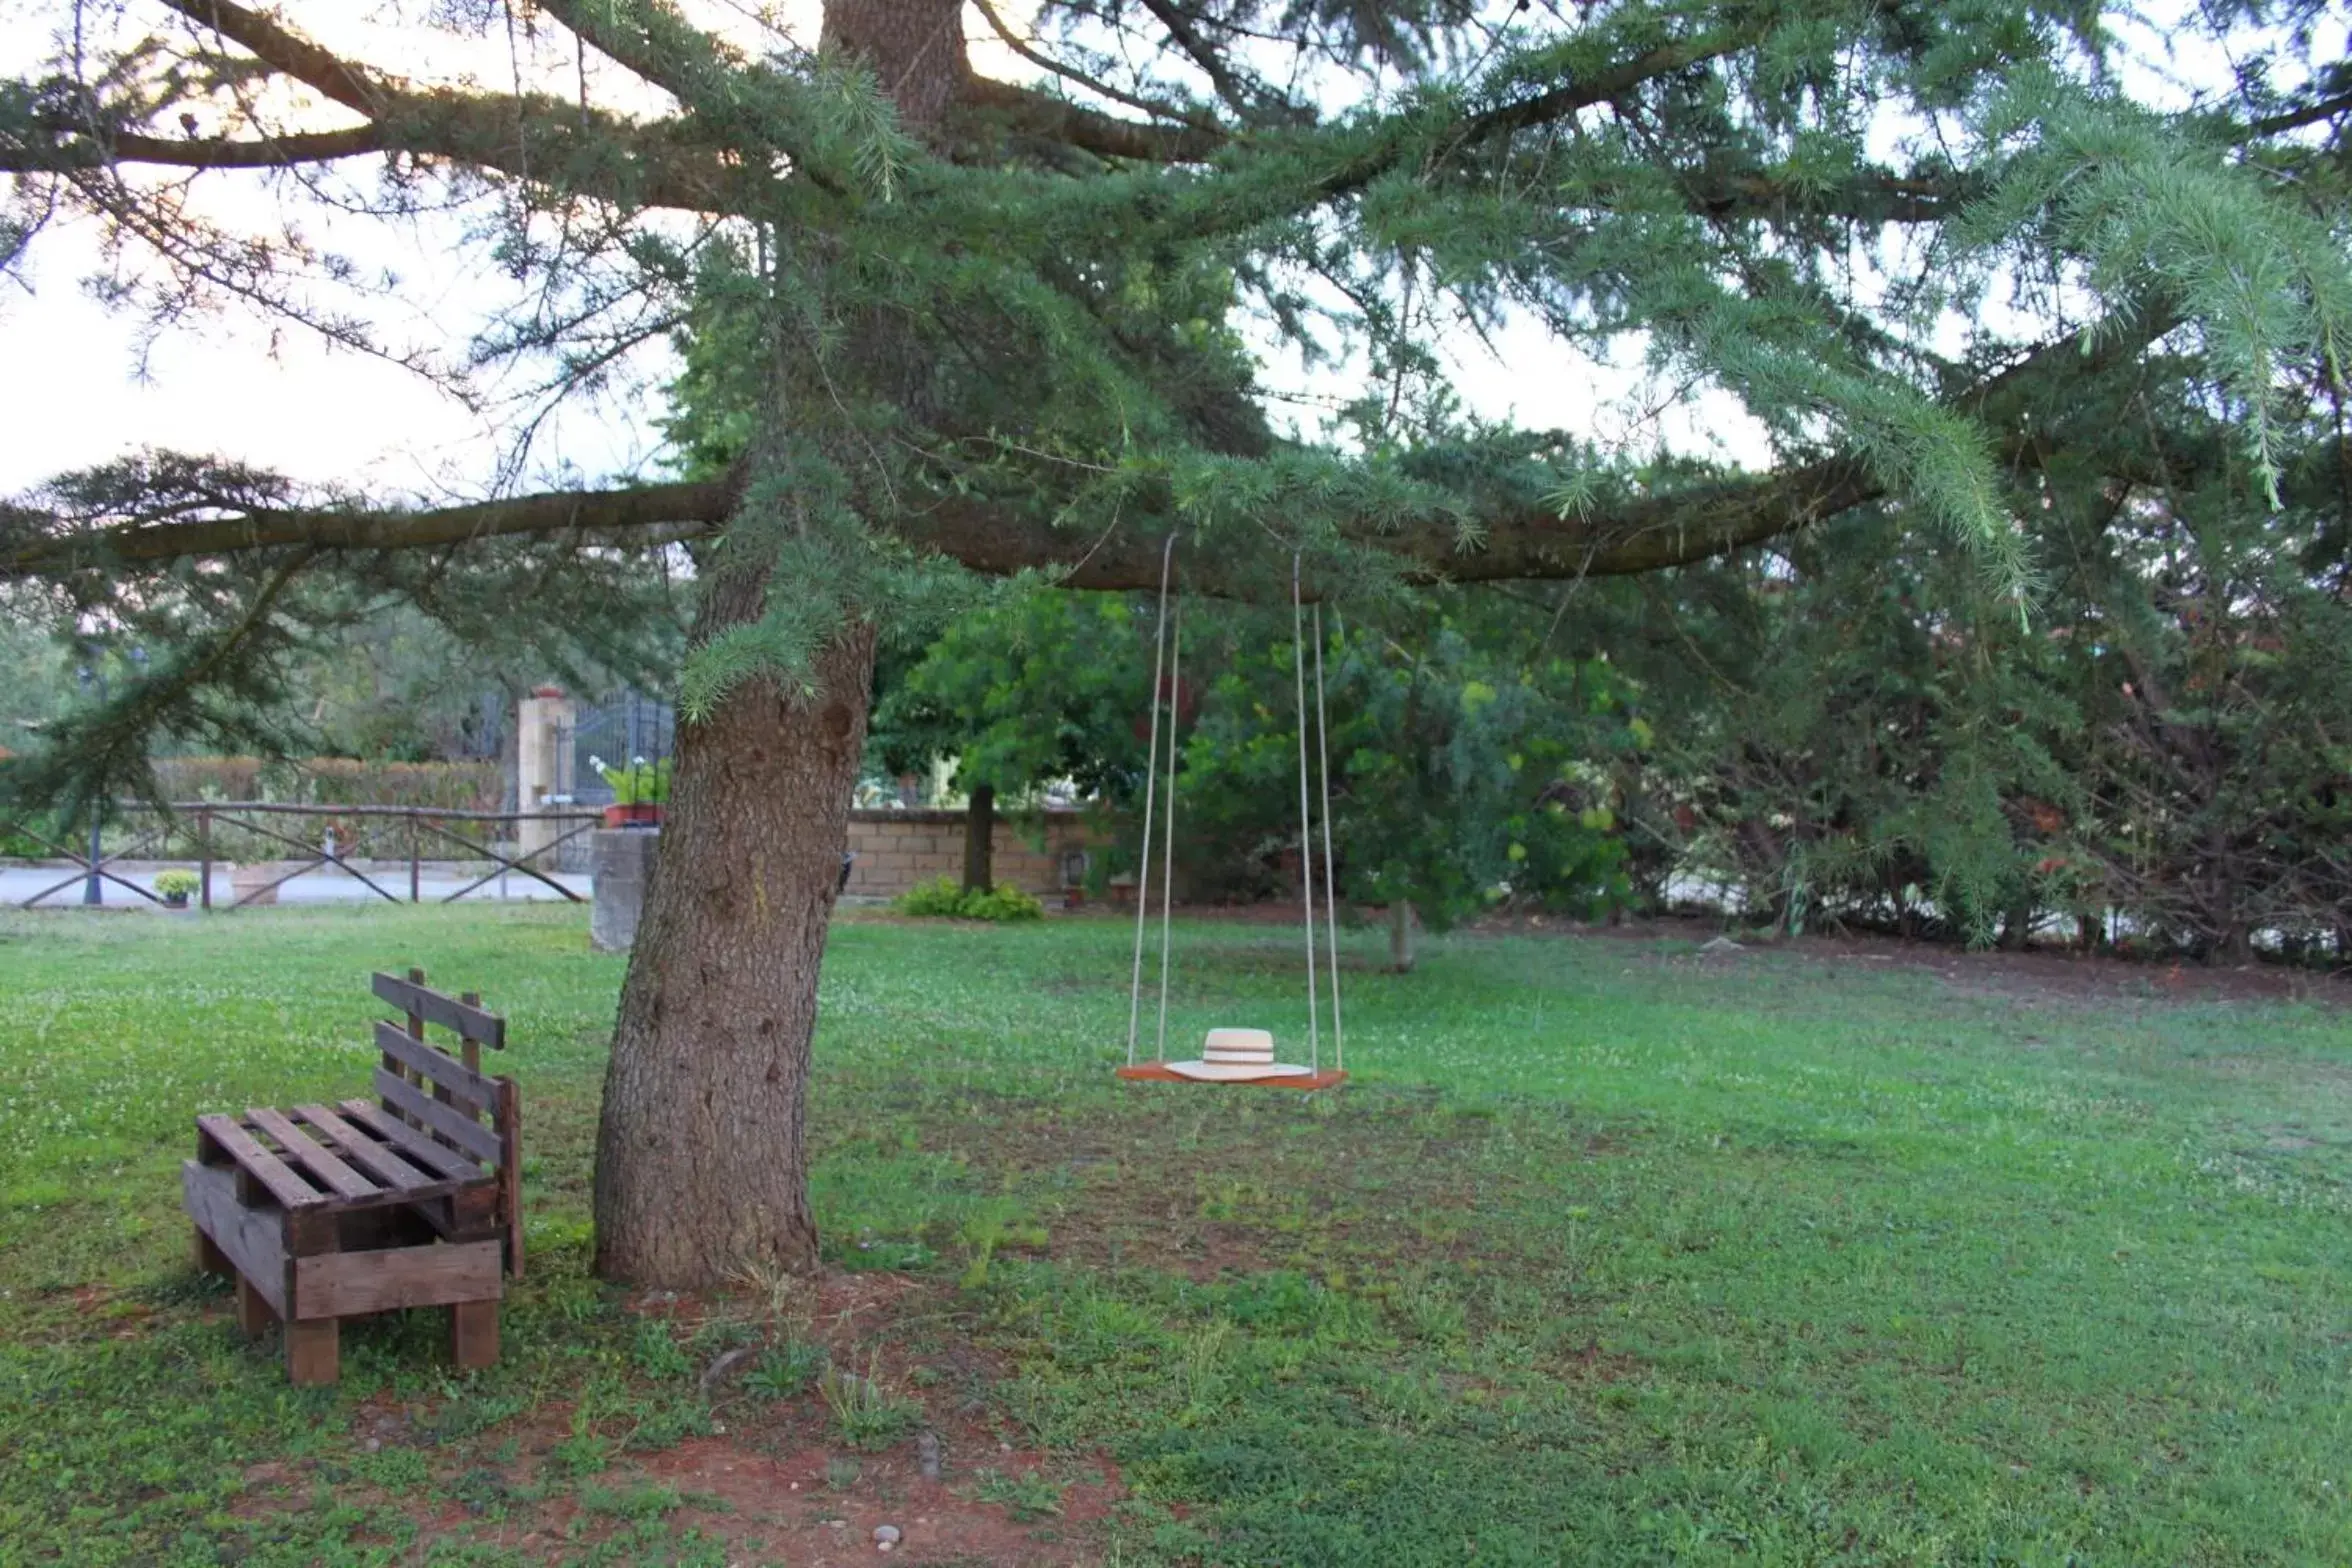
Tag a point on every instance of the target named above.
point(411, 1199)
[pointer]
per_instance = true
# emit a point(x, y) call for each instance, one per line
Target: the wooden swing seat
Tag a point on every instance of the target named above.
point(1159, 1072)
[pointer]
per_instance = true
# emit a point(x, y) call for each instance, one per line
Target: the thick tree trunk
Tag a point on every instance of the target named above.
point(980, 839)
point(701, 1159)
point(1400, 936)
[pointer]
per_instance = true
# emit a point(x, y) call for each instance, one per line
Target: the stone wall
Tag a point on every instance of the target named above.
point(897, 849)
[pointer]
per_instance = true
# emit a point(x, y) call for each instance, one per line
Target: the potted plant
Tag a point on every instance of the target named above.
point(640, 791)
point(174, 886)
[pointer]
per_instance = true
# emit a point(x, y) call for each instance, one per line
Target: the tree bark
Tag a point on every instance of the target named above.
point(701, 1159)
point(980, 840)
point(1400, 936)
point(702, 1153)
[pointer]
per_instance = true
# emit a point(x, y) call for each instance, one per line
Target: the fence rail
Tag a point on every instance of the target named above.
point(208, 817)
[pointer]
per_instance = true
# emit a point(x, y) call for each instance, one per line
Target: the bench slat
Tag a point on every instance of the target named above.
point(253, 1240)
point(415, 1145)
point(471, 1023)
point(265, 1167)
point(468, 1134)
point(437, 1065)
point(347, 1182)
point(378, 1159)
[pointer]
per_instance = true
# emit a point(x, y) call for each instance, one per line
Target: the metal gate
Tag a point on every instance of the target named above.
point(628, 726)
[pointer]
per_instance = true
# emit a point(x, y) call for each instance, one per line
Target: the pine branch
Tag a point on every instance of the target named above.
point(1032, 113)
point(355, 86)
point(1036, 57)
point(1543, 108)
point(278, 152)
point(37, 545)
point(527, 135)
point(649, 40)
point(1203, 54)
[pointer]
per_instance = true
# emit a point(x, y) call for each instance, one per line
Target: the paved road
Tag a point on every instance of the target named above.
point(320, 885)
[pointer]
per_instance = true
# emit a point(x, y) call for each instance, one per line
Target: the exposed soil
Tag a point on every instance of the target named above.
point(796, 1507)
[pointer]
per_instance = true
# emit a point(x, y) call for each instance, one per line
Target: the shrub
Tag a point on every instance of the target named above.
point(176, 883)
point(474, 785)
point(945, 898)
point(1001, 903)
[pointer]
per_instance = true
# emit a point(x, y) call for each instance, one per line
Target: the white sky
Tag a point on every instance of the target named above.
point(274, 396)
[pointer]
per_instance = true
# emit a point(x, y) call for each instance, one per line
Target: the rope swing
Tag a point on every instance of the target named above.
point(1239, 1056)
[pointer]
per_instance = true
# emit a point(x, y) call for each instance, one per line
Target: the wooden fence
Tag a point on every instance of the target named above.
point(411, 827)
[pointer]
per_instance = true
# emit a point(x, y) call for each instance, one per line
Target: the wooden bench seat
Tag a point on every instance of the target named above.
point(413, 1199)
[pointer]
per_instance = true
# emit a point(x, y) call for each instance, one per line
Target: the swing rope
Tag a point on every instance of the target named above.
point(1330, 883)
point(1168, 836)
point(1167, 675)
point(1151, 774)
point(1298, 659)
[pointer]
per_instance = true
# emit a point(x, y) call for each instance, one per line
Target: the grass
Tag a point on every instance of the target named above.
point(1609, 1254)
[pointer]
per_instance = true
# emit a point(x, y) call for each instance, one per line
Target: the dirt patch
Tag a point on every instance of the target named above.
point(811, 1506)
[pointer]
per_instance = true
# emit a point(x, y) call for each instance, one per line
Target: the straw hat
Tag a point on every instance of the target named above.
point(1235, 1055)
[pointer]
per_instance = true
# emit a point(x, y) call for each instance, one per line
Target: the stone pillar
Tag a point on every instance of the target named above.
point(543, 729)
point(624, 864)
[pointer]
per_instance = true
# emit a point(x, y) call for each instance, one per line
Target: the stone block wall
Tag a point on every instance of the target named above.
point(897, 849)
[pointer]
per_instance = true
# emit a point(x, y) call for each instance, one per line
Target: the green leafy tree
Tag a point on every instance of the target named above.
point(1467, 766)
point(1046, 688)
point(1001, 324)
point(1854, 730)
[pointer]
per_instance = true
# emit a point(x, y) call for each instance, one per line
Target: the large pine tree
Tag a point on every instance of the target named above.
point(1003, 325)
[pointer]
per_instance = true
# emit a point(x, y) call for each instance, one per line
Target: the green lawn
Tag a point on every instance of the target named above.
point(1610, 1254)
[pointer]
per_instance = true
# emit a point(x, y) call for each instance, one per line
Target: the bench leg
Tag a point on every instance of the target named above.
point(209, 1258)
point(314, 1351)
point(253, 1313)
point(473, 1333)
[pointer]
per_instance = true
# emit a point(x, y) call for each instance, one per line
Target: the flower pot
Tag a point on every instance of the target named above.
point(644, 816)
point(248, 881)
point(175, 900)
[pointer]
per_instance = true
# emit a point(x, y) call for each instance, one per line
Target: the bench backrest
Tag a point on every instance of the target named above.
point(449, 1097)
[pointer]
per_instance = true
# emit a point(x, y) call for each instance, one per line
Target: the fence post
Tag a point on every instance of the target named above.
point(204, 860)
point(413, 856)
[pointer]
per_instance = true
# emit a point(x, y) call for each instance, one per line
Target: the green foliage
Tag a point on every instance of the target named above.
point(658, 1354)
point(1466, 762)
point(176, 883)
point(1881, 234)
point(787, 1372)
point(636, 782)
point(1854, 731)
point(1037, 688)
point(866, 1416)
point(946, 898)
point(1023, 1497)
point(474, 785)
point(383, 656)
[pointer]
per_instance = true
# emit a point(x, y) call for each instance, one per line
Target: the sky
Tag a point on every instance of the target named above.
point(234, 386)
point(275, 396)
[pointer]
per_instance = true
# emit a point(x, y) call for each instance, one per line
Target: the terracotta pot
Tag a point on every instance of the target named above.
point(247, 878)
point(642, 816)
